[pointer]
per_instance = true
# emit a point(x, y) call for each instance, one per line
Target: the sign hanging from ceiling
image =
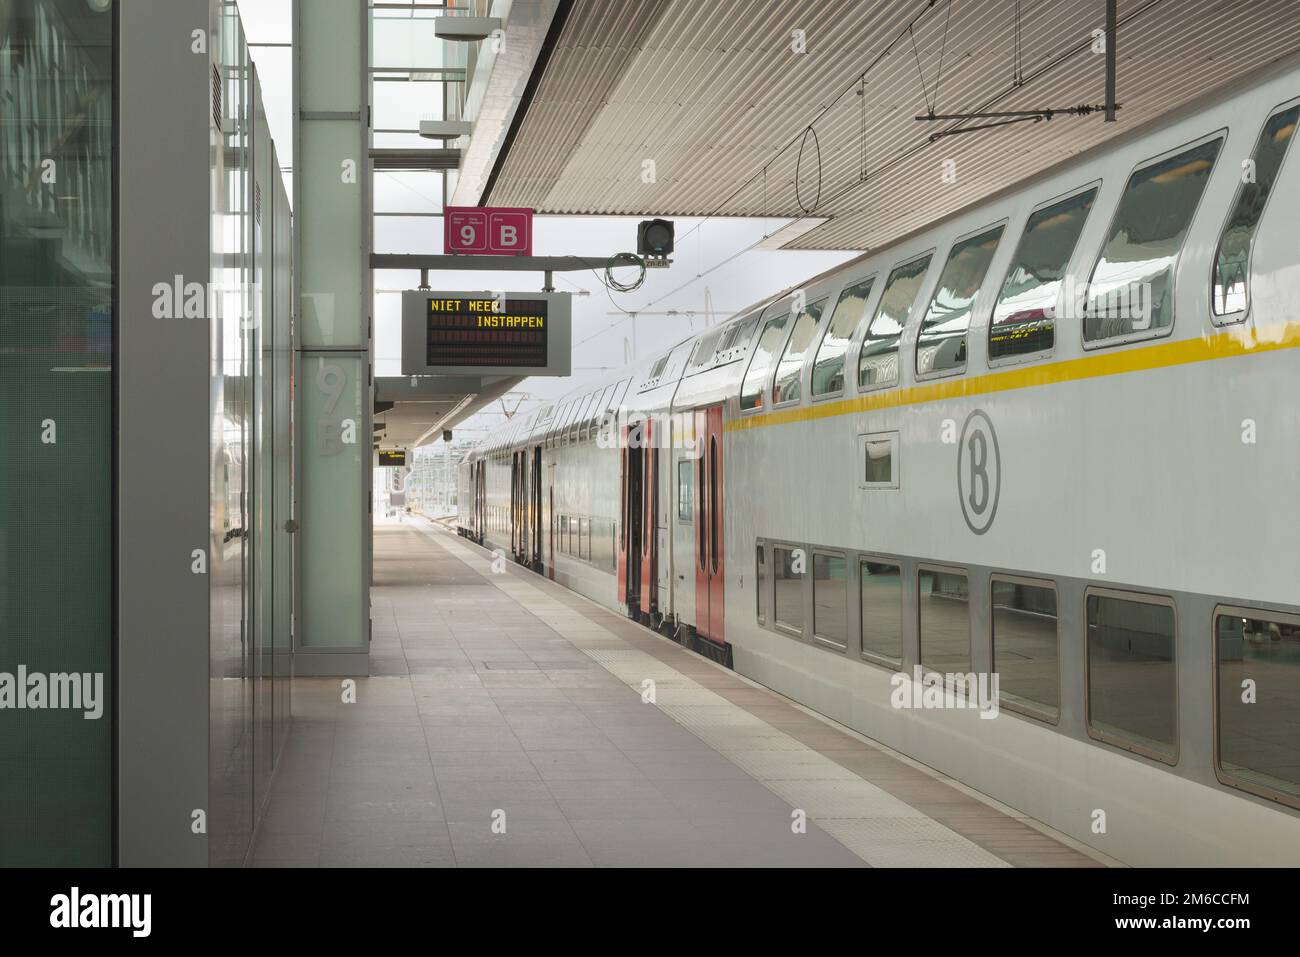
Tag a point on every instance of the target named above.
point(487, 230)
point(391, 458)
point(486, 333)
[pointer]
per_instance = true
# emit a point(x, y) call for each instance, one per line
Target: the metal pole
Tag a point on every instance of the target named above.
point(1111, 16)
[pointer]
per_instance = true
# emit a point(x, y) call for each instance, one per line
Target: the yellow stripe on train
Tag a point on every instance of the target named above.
point(1222, 345)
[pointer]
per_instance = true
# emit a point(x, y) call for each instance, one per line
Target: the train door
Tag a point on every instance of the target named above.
point(649, 521)
point(550, 521)
point(480, 499)
point(535, 486)
point(516, 504)
point(709, 564)
point(631, 516)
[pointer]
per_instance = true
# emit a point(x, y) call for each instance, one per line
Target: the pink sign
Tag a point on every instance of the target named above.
point(488, 230)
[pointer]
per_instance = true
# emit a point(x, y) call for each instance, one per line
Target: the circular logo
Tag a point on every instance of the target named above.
point(979, 472)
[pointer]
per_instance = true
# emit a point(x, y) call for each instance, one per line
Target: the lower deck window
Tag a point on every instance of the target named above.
point(1257, 667)
point(830, 598)
point(1026, 657)
point(1132, 699)
point(944, 602)
point(787, 576)
point(880, 592)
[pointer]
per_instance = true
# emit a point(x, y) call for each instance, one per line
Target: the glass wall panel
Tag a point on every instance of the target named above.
point(1258, 671)
point(333, 312)
point(335, 456)
point(56, 428)
point(1132, 682)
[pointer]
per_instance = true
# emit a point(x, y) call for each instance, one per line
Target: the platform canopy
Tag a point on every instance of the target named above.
point(681, 108)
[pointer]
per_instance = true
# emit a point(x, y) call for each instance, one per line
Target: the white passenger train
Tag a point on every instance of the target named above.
point(1054, 438)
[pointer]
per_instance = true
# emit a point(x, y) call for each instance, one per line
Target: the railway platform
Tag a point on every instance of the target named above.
point(508, 721)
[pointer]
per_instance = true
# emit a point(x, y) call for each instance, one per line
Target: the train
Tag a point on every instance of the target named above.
point(1052, 439)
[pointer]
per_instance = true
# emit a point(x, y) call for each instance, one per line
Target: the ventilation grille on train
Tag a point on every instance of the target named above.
point(257, 203)
point(216, 98)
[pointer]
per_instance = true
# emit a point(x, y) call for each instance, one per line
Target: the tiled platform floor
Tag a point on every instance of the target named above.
point(504, 726)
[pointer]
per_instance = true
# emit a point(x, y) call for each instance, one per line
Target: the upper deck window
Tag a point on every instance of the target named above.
point(941, 345)
point(1024, 319)
point(751, 390)
point(1132, 286)
point(878, 360)
point(1232, 259)
point(828, 367)
point(788, 387)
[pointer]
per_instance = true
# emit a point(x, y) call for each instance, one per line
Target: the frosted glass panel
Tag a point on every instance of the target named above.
point(334, 391)
point(332, 82)
point(333, 314)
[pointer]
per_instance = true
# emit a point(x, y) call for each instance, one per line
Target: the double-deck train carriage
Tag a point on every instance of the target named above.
point(1053, 438)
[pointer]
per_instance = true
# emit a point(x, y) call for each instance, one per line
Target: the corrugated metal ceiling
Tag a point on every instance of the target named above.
point(715, 96)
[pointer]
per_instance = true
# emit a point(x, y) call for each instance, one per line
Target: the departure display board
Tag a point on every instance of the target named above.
point(390, 458)
point(474, 331)
point(486, 333)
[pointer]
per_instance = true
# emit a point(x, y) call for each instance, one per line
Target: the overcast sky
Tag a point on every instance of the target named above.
point(715, 272)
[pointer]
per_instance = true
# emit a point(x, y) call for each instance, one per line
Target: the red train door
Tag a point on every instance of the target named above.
point(650, 520)
point(709, 565)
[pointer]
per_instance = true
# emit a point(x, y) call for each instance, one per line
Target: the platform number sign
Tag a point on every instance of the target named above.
point(979, 472)
point(488, 231)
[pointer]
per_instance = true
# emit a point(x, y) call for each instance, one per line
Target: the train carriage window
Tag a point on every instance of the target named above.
point(788, 566)
point(788, 387)
point(1132, 682)
point(943, 597)
point(828, 367)
point(1131, 292)
point(878, 358)
point(1024, 320)
point(1257, 674)
point(1026, 652)
point(584, 538)
point(830, 599)
point(941, 343)
point(1232, 258)
point(760, 361)
point(880, 597)
point(760, 581)
point(590, 426)
point(686, 490)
